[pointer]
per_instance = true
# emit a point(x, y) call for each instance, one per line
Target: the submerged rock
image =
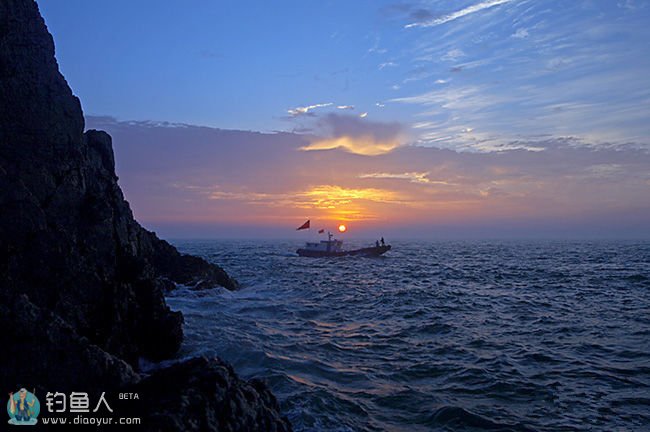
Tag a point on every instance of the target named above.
point(82, 283)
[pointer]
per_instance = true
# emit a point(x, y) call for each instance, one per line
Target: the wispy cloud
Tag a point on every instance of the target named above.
point(459, 14)
point(321, 196)
point(375, 48)
point(453, 55)
point(307, 110)
point(294, 112)
point(631, 4)
point(521, 33)
point(413, 177)
point(333, 201)
point(387, 64)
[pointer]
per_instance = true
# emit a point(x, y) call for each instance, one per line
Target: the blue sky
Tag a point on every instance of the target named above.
point(463, 74)
point(500, 117)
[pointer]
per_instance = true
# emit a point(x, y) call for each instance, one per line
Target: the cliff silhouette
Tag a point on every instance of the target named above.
point(82, 283)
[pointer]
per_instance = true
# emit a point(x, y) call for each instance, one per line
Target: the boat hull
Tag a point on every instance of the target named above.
point(369, 251)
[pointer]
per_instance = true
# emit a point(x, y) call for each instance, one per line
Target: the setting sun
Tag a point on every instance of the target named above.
point(342, 228)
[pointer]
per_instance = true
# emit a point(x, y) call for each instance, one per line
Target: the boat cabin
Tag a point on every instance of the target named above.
point(324, 246)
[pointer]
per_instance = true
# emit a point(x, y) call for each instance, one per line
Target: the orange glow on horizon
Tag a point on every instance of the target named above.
point(369, 202)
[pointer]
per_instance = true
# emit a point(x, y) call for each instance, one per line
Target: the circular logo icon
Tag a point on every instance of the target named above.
point(23, 408)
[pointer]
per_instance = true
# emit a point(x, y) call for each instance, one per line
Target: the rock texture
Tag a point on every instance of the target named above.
point(81, 294)
point(211, 397)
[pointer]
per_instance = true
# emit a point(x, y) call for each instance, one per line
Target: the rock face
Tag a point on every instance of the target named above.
point(211, 397)
point(81, 294)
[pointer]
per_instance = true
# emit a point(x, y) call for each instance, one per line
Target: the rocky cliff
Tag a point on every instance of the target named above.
point(81, 295)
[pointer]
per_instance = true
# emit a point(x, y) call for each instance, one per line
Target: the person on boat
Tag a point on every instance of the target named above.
point(377, 243)
point(383, 243)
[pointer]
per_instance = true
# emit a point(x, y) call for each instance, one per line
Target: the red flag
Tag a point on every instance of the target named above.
point(303, 226)
point(321, 231)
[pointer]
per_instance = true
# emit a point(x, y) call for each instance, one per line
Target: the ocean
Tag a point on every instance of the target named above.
point(435, 335)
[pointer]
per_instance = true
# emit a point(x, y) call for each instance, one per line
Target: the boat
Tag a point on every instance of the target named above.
point(334, 248)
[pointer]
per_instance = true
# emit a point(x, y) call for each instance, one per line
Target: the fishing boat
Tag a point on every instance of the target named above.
point(334, 248)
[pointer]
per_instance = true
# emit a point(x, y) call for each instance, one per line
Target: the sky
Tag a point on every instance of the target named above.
point(487, 118)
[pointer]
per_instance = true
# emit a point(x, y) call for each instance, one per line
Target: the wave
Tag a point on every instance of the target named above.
point(446, 336)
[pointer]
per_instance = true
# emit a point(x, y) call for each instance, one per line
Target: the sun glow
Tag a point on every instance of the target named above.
point(342, 204)
point(329, 197)
point(342, 228)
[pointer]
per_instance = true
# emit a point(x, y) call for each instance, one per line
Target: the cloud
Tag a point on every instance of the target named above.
point(320, 196)
point(327, 196)
point(205, 177)
point(342, 203)
point(579, 71)
point(375, 48)
point(307, 110)
point(459, 14)
point(558, 63)
point(356, 135)
point(453, 55)
point(362, 145)
point(387, 64)
point(413, 177)
point(631, 5)
point(250, 197)
point(294, 112)
point(521, 33)
point(501, 112)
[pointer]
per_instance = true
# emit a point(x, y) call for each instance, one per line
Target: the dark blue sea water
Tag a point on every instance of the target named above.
point(520, 336)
